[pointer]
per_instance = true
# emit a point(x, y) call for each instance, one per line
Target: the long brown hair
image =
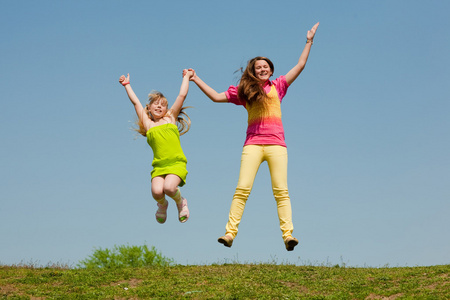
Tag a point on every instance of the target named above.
point(250, 88)
point(183, 121)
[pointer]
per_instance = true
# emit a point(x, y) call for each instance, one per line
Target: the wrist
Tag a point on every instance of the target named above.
point(125, 83)
point(309, 41)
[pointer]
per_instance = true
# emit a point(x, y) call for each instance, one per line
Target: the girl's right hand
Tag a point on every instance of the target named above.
point(124, 80)
point(193, 75)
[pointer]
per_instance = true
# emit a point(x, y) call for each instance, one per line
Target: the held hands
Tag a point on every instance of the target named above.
point(312, 32)
point(124, 80)
point(189, 72)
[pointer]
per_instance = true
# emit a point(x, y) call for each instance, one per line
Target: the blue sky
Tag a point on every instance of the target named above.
point(367, 127)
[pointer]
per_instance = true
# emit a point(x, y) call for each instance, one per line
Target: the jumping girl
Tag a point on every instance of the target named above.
point(163, 127)
point(265, 136)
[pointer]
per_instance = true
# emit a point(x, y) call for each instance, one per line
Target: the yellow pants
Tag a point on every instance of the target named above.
point(252, 157)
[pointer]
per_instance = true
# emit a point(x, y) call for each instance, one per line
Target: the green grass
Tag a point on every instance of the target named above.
point(226, 281)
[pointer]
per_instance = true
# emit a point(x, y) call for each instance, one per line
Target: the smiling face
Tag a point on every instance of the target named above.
point(158, 108)
point(262, 70)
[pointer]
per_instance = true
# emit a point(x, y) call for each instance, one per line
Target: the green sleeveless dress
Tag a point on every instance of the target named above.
point(168, 156)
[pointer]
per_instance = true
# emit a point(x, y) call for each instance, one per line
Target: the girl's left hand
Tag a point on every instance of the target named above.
point(312, 32)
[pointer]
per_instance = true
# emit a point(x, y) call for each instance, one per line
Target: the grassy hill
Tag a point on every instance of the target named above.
point(227, 281)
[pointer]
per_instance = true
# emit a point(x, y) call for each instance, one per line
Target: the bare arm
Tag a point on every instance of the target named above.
point(298, 68)
point(140, 111)
point(178, 104)
point(207, 90)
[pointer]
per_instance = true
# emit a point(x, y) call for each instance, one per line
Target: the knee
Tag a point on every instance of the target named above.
point(170, 190)
point(242, 193)
point(281, 194)
point(157, 194)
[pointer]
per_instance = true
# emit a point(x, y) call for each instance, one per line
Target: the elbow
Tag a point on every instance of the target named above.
point(301, 65)
point(218, 98)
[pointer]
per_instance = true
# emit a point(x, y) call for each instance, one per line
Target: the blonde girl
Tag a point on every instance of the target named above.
point(163, 127)
point(265, 136)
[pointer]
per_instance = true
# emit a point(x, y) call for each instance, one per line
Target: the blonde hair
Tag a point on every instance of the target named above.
point(183, 121)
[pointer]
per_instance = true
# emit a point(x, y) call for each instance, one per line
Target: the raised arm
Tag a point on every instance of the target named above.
point(298, 68)
point(207, 90)
point(178, 104)
point(140, 111)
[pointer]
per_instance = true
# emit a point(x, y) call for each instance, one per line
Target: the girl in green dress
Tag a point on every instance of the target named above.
point(163, 127)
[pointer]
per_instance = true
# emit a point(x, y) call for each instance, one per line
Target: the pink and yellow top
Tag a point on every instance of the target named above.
point(264, 119)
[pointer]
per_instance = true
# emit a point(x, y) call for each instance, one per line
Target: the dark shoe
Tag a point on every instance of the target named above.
point(290, 243)
point(226, 240)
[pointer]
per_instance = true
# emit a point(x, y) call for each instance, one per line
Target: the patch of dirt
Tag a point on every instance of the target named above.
point(392, 297)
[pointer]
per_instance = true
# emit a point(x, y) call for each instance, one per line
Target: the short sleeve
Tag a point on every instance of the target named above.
point(232, 95)
point(281, 86)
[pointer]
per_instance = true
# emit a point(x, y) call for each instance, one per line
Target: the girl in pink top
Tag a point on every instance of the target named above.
point(265, 136)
